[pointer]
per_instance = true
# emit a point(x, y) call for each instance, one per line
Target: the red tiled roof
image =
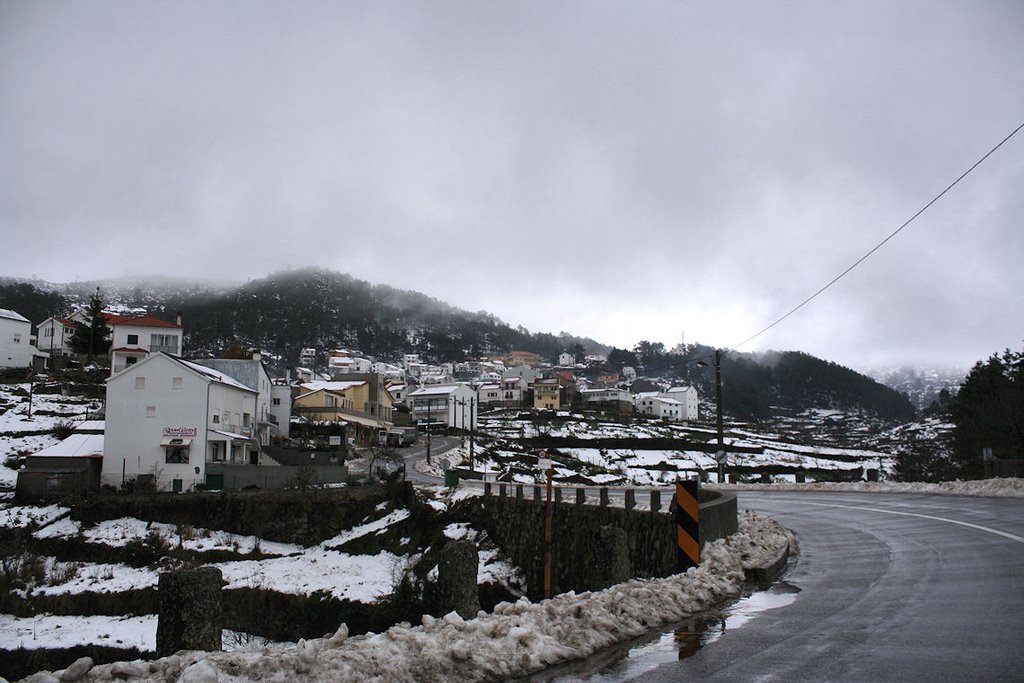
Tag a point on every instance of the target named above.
point(141, 321)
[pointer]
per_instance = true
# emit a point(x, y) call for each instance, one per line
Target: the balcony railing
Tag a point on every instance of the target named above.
point(164, 348)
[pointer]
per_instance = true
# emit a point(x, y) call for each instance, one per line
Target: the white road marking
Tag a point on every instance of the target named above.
point(997, 532)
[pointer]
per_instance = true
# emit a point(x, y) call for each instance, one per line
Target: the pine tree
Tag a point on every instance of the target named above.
point(92, 337)
point(988, 412)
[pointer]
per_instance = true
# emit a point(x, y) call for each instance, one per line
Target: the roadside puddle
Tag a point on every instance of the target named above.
point(631, 660)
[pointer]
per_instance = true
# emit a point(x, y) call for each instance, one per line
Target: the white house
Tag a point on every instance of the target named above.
point(524, 371)
point(664, 408)
point(53, 336)
point(688, 397)
point(513, 391)
point(281, 407)
point(135, 337)
point(17, 345)
point(629, 373)
point(168, 418)
point(253, 374)
point(566, 359)
point(450, 404)
point(488, 395)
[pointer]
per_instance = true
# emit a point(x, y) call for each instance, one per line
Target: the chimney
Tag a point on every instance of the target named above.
point(177, 318)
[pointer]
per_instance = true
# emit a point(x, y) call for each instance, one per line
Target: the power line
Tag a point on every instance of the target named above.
point(880, 244)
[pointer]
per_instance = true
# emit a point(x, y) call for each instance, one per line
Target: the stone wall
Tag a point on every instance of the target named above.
point(578, 562)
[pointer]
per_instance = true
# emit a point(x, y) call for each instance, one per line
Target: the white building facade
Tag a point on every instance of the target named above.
point(454, 405)
point(661, 407)
point(686, 396)
point(168, 418)
point(17, 349)
point(134, 338)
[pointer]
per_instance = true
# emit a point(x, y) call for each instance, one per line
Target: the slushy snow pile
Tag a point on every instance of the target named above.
point(517, 639)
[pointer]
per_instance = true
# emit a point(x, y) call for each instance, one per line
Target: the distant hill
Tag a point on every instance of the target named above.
point(287, 311)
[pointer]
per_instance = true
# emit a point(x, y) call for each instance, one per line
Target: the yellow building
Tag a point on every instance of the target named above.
point(547, 394)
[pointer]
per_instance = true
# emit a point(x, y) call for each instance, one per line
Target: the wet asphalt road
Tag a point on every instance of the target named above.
point(418, 451)
point(892, 587)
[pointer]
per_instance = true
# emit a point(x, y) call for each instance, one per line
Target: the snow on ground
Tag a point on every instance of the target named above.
point(360, 578)
point(57, 632)
point(517, 639)
point(374, 527)
point(120, 532)
point(15, 423)
point(17, 517)
point(87, 577)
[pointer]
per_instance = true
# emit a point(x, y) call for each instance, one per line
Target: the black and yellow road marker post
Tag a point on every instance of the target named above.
point(687, 515)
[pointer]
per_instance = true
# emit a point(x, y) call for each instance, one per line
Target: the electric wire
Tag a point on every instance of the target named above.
point(880, 244)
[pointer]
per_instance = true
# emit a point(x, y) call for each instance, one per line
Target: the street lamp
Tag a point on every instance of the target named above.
point(720, 453)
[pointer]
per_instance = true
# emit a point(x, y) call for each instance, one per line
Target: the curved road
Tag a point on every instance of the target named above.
point(892, 587)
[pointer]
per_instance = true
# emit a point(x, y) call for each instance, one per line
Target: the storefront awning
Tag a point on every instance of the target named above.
point(176, 441)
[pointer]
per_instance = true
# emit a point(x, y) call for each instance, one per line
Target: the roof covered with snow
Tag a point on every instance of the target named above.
point(11, 315)
point(75, 446)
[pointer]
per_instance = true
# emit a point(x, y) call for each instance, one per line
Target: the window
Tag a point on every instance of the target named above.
point(216, 454)
point(176, 452)
point(276, 401)
point(176, 382)
point(17, 337)
point(133, 339)
point(216, 418)
point(130, 360)
point(140, 382)
point(245, 419)
point(168, 343)
point(150, 411)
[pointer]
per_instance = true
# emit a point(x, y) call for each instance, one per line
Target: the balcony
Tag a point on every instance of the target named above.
point(171, 349)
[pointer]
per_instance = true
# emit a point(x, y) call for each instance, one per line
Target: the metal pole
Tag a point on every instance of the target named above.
point(718, 412)
point(547, 538)
point(428, 430)
point(472, 430)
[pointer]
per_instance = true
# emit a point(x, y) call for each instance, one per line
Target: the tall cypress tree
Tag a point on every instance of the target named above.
point(92, 337)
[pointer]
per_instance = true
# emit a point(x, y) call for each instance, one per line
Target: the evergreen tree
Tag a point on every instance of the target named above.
point(988, 412)
point(92, 337)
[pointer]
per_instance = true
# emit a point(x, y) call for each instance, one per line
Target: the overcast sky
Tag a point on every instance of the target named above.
point(626, 170)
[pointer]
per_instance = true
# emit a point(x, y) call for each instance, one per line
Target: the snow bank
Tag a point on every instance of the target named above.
point(517, 639)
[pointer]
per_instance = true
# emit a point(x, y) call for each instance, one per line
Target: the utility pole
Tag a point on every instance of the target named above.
point(429, 401)
point(472, 430)
point(720, 455)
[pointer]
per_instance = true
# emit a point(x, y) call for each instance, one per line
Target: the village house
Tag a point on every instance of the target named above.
point(167, 418)
point(687, 396)
point(566, 359)
point(135, 337)
point(607, 398)
point(548, 394)
point(363, 403)
point(661, 407)
point(54, 336)
point(513, 391)
point(489, 395)
point(17, 344)
point(253, 374)
point(450, 405)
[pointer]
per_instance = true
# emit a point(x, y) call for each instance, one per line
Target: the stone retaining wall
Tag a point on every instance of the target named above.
point(516, 523)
